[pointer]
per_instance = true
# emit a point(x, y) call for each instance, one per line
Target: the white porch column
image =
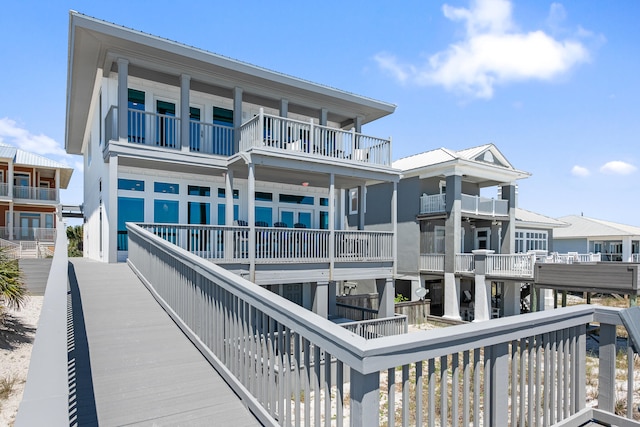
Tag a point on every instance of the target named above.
point(361, 206)
point(511, 298)
point(57, 184)
point(321, 299)
point(357, 123)
point(394, 224)
point(10, 182)
point(185, 87)
point(386, 294)
point(333, 291)
point(332, 223)
point(284, 107)
point(10, 219)
point(237, 117)
point(626, 248)
point(112, 210)
point(451, 296)
point(323, 116)
point(482, 302)
point(228, 198)
point(123, 97)
point(251, 217)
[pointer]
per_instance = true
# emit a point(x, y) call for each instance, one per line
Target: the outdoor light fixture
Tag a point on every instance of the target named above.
point(305, 184)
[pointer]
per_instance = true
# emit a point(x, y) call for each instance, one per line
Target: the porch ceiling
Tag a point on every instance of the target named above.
point(294, 170)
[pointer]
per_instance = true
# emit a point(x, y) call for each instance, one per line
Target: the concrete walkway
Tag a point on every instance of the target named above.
point(132, 364)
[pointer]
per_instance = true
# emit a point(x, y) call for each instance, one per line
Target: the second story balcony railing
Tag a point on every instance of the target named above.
point(35, 193)
point(432, 262)
point(435, 203)
point(4, 189)
point(164, 131)
point(296, 136)
point(510, 265)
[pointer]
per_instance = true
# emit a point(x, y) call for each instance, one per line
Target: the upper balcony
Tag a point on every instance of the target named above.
point(273, 133)
point(25, 193)
point(308, 138)
point(474, 205)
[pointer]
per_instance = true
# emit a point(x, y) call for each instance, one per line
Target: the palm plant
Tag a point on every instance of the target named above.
point(74, 237)
point(13, 292)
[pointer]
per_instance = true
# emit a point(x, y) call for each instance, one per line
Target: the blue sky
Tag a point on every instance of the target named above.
point(552, 84)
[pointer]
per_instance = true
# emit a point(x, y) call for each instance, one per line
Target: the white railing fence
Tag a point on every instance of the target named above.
point(634, 257)
point(210, 138)
point(275, 245)
point(269, 131)
point(465, 263)
point(4, 189)
point(292, 367)
point(377, 328)
point(432, 262)
point(363, 245)
point(510, 265)
point(484, 206)
point(35, 193)
point(432, 203)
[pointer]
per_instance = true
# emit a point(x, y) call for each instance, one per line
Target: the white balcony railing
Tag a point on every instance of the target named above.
point(634, 257)
point(284, 134)
point(477, 205)
point(4, 189)
point(568, 258)
point(484, 206)
point(432, 262)
point(510, 265)
point(432, 203)
point(465, 263)
point(35, 193)
point(273, 245)
point(28, 233)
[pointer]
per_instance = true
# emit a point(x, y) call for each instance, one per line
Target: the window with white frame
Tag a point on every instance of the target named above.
point(353, 201)
point(531, 240)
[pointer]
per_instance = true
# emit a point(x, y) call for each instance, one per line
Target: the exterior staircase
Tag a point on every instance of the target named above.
point(36, 273)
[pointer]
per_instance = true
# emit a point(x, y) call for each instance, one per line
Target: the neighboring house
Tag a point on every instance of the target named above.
point(266, 172)
point(613, 241)
point(443, 218)
point(535, 232)
point(29, 197)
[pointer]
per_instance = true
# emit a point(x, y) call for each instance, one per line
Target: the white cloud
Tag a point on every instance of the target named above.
point(12, 133)
point(618, 167)
point(580, 171)
point(492, 52)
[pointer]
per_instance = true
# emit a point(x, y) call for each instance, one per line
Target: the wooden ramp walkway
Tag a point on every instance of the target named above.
point(131, 365)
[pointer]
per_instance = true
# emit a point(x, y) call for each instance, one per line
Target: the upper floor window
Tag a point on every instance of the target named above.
point(222, 193)
point(196, 190)
point(299, 200)
point(222, 116)
point(263, 197)
point(166, 187)
point(130, 184)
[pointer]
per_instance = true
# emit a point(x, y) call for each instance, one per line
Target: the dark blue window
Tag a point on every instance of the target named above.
point(130, 184)
point(196, 190)
point(166, 211)
point(166, 187)
point(129, 210)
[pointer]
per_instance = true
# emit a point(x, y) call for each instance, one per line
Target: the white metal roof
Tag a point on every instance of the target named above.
point(581, 226)
point(21, 157)
point(526, 218)
point(428, 158)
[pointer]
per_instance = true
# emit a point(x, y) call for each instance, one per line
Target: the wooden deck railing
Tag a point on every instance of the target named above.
point(292, 367)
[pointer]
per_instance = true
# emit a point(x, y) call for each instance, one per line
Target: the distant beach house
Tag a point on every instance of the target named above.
point(29, 198)
point(613, 241)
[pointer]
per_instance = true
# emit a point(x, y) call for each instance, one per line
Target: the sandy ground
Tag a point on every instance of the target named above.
point(17, 333)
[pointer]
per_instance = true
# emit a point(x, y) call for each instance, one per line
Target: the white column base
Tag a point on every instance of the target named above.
point(451, 296)
point(482, 303)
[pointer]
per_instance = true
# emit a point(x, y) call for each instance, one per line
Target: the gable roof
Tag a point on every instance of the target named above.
point(482, 164)
point(21, 157)
point(526, 218)
point(581, 226)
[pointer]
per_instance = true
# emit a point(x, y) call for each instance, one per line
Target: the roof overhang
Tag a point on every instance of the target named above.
point(95, 45)
point(485, 175)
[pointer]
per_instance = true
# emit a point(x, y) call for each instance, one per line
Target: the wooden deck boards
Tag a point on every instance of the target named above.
point(144, 370)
